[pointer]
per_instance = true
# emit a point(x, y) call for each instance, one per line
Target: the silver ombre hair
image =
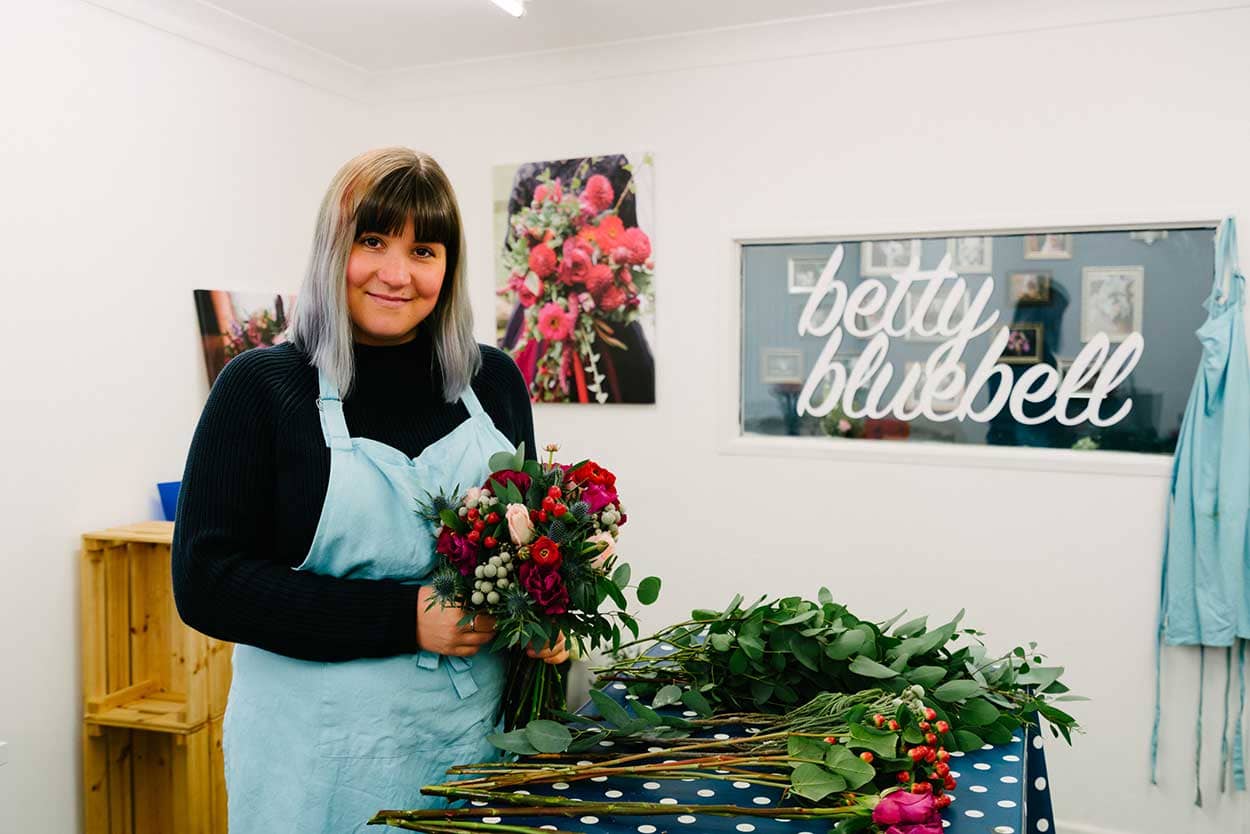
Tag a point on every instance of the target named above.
point(379, 191)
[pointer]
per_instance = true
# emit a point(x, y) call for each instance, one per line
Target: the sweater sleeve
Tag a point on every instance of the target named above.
point(225, 584)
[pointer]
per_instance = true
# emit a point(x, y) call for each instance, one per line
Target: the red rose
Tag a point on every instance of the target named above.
point(542, 260)
point(597, 196)
point(592, 473)
point(576, 261)
point(509, 476)
point(610, 233)
point(545, 552)
point(545, 587)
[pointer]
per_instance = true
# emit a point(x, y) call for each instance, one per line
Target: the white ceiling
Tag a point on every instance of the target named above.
point(383, 35)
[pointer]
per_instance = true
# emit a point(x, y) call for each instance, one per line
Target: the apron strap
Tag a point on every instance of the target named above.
point(1224, 751)
point(459, 669)
point(1239, 764)
point(330, 406)
point(471, 402)
point(1225, 263)
point(1202, 669)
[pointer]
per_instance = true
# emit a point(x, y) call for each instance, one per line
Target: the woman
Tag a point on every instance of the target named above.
point(298, 536)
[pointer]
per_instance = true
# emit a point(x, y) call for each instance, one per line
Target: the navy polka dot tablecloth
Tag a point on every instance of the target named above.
point(1002, 789)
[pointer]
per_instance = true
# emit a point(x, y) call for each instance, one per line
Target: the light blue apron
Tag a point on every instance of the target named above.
point(1205, 594)
point(318, 748)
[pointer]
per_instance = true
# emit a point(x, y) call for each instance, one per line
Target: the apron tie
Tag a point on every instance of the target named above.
point(459, 669)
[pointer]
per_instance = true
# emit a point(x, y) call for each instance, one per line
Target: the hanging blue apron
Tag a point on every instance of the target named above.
point(1205, 595)
point(318, 748)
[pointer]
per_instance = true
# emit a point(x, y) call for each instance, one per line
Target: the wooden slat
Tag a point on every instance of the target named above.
point(95, 783)
point(121, 697)
point(153, 532)
point(154, 783)
point(152, 654)
point(117, 616)
point(192, 805)
point(94, 623)
point(217, 777)
point(120, 781)
point(220, 655)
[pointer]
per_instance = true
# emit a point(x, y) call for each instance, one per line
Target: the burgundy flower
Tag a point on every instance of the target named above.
point(545, 587)
point(461, 552)
point(510, 476)
point(907, 809)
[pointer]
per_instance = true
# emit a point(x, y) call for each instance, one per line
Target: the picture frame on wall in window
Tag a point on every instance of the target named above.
point(1029, 289)
point(781, 366)
point(1112, 299)
point(803, 272)
point(1063, 365)
point(971, 254)
point(883, 258)
point(1048, 247)
point(1024, 343)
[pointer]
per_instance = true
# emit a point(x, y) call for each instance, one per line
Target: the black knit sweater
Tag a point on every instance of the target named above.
point(256, 479)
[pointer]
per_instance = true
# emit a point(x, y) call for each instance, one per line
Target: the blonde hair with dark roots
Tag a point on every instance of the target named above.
point(379, 191)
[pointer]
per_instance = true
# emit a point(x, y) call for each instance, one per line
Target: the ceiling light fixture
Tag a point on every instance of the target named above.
point(516, 8)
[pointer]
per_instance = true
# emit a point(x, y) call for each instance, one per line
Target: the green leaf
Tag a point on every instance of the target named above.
point(721, 642)
point(885, 627)
point(501, 460)
point(752, 645)
point(548, 736)
point(1040, 676)
point(807, 651)
point(801, 747)
point(611, 711)
point(850, 767)
point(703, 615)
point(957, 690)
point(513, 742)
point(911, 627)
point(738, 662)
point(647, 714)
point(978, 713)
point(761, 691)
point(799, 618)
point(968, 741)
point(696, 702)
point(649, 590)
point(825, 597)
point(621, 576)
point(998, 733)
point(912, 734)
point(609, 587)
point(871, 669)
point(847, 644)
point(667, 695)
point(926, 676)
point(815, 783)
point(881, 742)
point(452, 520)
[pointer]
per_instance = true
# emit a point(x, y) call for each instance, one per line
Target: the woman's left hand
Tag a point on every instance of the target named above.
point(555, 655)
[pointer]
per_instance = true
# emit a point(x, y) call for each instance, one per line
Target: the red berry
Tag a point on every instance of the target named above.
point(893, 725)
point(542, 515)
point(473, 514)
point(950, 783)
point(533, 515)
point(493, 518)
point(943, 801)
point(560, 510)
point(930, 713)
point(930, 757)
point(916, 753)
point(490, 542)
point(549, 503)
point(942, 755)
point(925, 725)
point(866, 756)
point(479, 525)
point(942, 769)
point(930, 738)
point(943, 727)
point(904, 777)
point(878, 719)
point(474, 536)
point(920, 787)
point(831, 740)
point(554, 492)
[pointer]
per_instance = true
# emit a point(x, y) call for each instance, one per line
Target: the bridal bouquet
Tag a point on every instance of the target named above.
point(580, 274)
point(534, 547)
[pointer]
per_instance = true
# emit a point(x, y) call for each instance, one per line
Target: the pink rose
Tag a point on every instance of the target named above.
point(576, 261)
point(609, 547)
point(926, 828)
point(554, 323)
point(908, 809)
point(543, 260)
point(520, 528)
point(597, 196)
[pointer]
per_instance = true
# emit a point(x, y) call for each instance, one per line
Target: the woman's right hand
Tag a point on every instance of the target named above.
point(438, 632)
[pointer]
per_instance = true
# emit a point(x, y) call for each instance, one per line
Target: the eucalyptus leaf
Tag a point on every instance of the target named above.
point(957, 690)
point(513, 742)
point(926, 676)
point(967, 741)
point(667, 696)
point(751, 645)
point(871, 669)
point(696, 702)
point(648, 590)
point(612, 712)
point(621, 576)
point(883, 743)
point(721, 642)
point(911, 627)
point(847, 644)
point(815, 783)
point(801, 747)
point(548, 736)
point(978, 712)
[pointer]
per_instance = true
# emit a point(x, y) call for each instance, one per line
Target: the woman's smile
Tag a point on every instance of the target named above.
point(390, 301)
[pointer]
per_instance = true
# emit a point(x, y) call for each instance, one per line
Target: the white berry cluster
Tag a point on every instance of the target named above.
point(480, 499)
point(608, 519)
point(491, 578)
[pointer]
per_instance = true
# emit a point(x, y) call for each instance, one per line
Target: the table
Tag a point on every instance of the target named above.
point(1002, 789)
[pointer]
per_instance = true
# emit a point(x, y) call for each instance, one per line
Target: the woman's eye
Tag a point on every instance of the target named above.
point(424, 252)
point(371, 241)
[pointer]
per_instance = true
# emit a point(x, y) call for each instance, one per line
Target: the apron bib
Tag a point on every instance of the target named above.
point(318, 748)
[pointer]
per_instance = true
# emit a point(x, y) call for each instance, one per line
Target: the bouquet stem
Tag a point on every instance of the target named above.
point(533, 690)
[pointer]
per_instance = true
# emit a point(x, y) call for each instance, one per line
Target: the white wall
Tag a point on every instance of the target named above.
point(137, 166)
point(966, 115)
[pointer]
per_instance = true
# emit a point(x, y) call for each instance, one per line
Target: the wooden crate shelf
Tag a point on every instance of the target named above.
point(154, 693)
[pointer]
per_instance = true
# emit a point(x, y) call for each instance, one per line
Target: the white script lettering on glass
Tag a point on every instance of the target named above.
point(877, 312)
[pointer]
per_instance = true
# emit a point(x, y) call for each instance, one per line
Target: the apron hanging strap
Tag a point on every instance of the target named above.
point(1239, 764)
point(1224, 749)
point(330, 406)
point(471, 402)
point(1202, 668)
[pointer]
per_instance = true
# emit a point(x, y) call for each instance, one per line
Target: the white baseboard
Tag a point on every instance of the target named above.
point(1066, 826)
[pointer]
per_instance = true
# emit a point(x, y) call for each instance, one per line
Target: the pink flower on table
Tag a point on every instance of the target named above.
point(597, 196)
point(926, 828)
point(554, 322)
point(908, 810)
point(542, 260)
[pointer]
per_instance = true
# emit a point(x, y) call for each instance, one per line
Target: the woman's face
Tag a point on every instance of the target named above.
point(392, 285)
